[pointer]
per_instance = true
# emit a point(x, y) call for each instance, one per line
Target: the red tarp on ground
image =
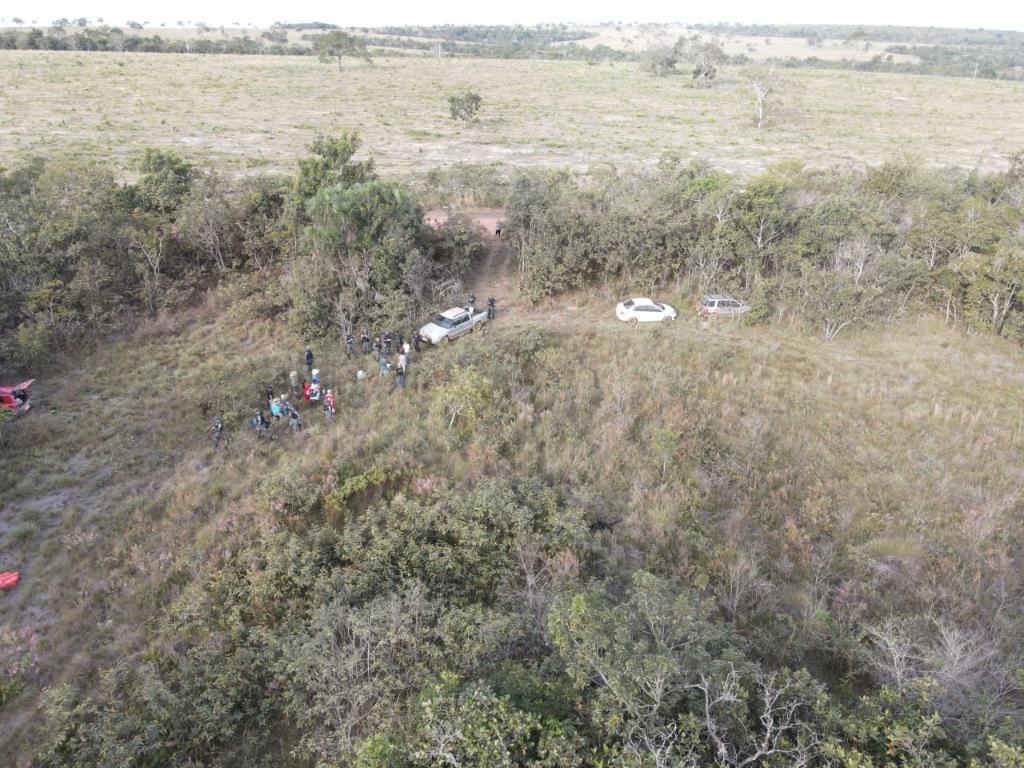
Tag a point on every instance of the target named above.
point(9, 579)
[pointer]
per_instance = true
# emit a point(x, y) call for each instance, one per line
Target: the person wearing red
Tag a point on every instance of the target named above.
point(330, 408)
point(306, 387)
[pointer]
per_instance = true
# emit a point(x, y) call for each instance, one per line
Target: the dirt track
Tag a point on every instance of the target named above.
point(496, 275)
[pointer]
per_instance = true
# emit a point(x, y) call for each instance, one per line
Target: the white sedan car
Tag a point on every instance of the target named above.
point(643, 311)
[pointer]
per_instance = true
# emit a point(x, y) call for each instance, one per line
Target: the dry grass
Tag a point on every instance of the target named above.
point(113, 497)
point(258, 113)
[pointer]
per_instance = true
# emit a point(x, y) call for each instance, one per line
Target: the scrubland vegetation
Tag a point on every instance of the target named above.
point(793, 540)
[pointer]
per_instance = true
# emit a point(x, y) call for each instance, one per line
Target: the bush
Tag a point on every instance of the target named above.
point(32, 346)
point(465, 106)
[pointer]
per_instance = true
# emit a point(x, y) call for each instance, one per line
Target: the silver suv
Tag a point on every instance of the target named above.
point(716, 305)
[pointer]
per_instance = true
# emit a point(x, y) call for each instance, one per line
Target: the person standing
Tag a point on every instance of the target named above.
point(260, 423)
point(293, 383)
point(377, 348)
point(350, 345)
point(400, 369)
point(218, 431)
point(330, 407)
point(364, 342)
point(306, 387)
point(416, 342)
point(387, 344)
point(309, 360)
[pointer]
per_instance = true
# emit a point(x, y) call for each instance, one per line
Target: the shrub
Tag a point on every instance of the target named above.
point(32, 346)
point(465, 106)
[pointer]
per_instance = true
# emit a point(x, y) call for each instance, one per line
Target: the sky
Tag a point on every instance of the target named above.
point(991, 14)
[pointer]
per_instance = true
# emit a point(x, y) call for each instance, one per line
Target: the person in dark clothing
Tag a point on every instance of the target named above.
point(293, 419)
point(492, 308)
point(260, 424)
point(309, 360)
point(400, 376)
point(497, 229)
point(364, 342)
point(398, 341)
point(218, 431)
point(350, 344)
point(387, 344)
point(416, 342)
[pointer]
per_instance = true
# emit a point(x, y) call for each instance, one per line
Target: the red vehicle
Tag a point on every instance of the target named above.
point(16, 398)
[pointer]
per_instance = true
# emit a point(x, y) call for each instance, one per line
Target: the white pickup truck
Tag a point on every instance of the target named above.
point(452, 323)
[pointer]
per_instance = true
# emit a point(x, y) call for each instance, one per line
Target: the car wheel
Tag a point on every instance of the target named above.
point(667, 319)
point(633, 320)
point(446, 340)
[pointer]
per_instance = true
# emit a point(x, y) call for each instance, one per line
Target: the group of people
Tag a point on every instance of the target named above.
point(314, 392)
point(281, 406)
point(382, 345)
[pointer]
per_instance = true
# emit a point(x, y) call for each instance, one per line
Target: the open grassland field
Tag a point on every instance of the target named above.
point(257, 113)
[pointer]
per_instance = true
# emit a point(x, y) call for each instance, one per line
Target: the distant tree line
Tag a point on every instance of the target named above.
point(275, 42)
point(536, 36)
point(985, 63)
point(859, 32)
point(974, 53)
point(115, 39)
point(993, 55)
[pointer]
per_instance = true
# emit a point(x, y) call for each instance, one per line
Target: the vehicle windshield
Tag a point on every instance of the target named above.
point(443, 322)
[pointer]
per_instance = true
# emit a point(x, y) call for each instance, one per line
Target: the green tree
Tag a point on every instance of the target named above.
point(470, 725)
point(353, 256)
point(330, 165)
point(209, 220)
point(164, 182)
point(994, 283)
point(464, 401)
point(661, 60)
point(670, 686)
point(337, 45)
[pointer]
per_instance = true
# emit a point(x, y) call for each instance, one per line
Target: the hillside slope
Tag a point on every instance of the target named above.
point(809, 489)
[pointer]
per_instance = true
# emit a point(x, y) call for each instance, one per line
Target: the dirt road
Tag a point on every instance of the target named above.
point(496, 275)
